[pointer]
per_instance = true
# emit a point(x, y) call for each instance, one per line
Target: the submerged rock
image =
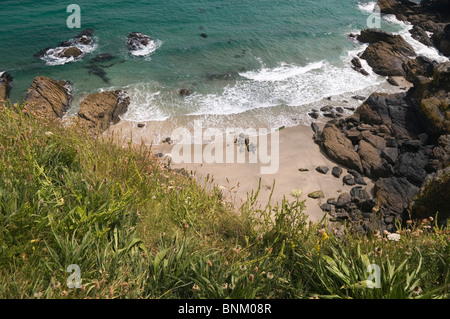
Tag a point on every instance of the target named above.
point(5, 85)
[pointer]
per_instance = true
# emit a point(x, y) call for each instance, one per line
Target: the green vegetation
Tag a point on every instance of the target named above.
point(138, 229)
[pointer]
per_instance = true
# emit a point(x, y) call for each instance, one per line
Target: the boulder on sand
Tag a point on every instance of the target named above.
point(99, 110)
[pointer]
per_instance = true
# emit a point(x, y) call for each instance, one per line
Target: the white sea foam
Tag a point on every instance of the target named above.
point(285, 85)
point(52, 56)
point(146, 103)
point(367, 7)
point(148, 49)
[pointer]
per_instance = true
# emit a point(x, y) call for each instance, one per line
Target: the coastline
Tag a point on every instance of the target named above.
point(297, 150)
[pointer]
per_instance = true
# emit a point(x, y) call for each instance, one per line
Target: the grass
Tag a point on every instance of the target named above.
point(138, 229)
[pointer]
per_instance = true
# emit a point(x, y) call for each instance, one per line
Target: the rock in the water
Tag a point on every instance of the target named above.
point(99, 110)
point(386, 52)
point(316, 194)
point(322, 169)
point(138, 41)
point(47, 97)
point(71, 52)
point(185, 92)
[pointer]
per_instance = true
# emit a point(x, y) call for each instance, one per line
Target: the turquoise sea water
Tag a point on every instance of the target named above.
point(258, 54)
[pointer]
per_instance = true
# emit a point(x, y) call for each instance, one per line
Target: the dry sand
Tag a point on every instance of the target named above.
point(297, 150)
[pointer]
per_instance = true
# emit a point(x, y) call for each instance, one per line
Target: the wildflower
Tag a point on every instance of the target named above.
point(111, 292)
point(394, 237)
point(225, 286)
point(269, 275)
point(378, 251)
point(297, 193)
point(292, 245)
point(270, 250)
point(417, 291)
point(255, 269)
point(48, 134)
point(409, 221)
point(243, 267)
point(97, 284)
point(237, 250)
point(231, 286)
point(185, 226)
point(260, 237)
point(251, 278)
point(431, 218)
point(386, 232)
point(64, 293)
point(209, 263)
point(38, 294)
point(195, 288)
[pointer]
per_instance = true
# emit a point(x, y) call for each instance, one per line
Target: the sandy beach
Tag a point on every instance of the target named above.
point(297, 150)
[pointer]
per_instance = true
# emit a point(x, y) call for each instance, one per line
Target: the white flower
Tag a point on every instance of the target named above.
point(296, 193)
point(394, 237)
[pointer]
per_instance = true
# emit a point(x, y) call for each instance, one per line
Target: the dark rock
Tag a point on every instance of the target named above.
point(368, 205)
point(359, 179)
point(391, 80)
point(331, 201)
point(339, 109)
point(185, 92)
point(102, 57)
point(343, 200)
point(315, 128)
point(322, 169)
point(358, 97)
point(390, 154)
point(137, 41)
point(326, 207)
point(349, 180)
point(412, 166)
point(140, 125)
point(204, 35)
point(336, 171)
point(356, 62)
point(314, 115)
point(393, 194)
point(359, 193)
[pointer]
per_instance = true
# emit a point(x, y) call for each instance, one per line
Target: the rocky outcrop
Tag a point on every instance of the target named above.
point(339, 148)
point(431, 97)
point(386, 52)
point(99, 110)
point(48, 98)
point(5, 86)
point(399, 140)
point(138, 41)
point(433, 198)
point(427, 16)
